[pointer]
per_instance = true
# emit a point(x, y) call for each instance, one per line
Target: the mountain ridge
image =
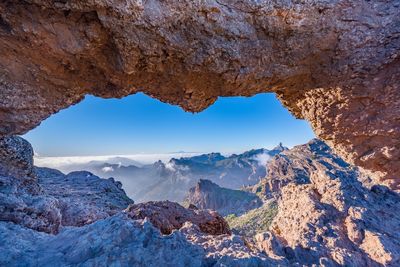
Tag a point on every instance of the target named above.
point(170, 180)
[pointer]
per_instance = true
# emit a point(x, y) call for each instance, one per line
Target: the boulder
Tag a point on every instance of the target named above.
point(168, 216)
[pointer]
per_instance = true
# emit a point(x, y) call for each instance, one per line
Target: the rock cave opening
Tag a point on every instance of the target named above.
point(333, 201)
point(144, 143)
point(260, 204)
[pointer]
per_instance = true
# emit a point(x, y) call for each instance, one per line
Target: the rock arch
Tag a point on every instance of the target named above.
point(333, 63)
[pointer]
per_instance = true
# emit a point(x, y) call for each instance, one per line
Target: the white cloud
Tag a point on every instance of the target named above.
point(183, 168)
point(170, 166)
point(262, 159)
point(107, 169)
point(61, 162)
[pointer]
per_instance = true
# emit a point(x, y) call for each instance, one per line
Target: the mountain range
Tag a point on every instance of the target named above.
point(172, 179)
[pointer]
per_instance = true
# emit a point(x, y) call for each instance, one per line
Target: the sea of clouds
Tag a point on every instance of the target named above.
point(80, 162)
point(125, 160)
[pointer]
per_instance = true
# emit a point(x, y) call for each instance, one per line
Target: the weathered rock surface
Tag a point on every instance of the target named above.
point(16, 158)
point(208, 195)
point(21, 198)
point(121, 241)
point(299, 164)
point(19, 205)
point(167, 216)
point(326, 215)
point(83, 197)
point(334, 63)
point(45, 199)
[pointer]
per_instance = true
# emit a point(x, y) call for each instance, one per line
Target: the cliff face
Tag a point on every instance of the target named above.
point(299, 164)
point(334, 63)
point(326, 215)
point(46, 200)
point(208, 195)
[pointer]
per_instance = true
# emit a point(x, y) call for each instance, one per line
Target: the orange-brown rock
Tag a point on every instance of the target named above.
point(334, 63)
point(168, 216)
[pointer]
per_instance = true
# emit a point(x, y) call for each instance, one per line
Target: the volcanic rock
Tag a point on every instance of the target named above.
point(45, 199)
point(168, 216)
point(326, 216)
point(119, 240)
point(333, 63)
point(21, 198)
point(83, 197)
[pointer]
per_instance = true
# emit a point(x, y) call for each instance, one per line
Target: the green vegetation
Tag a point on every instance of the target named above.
point(237, 194)
point(254, 221)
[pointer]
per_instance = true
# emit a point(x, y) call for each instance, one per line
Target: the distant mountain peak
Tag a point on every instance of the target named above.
point(204, 158)
point(280, 147)
point(205, 185)
point(208, 195)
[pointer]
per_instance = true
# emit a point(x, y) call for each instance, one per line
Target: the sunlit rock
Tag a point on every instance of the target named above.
point(167, 216)
point(46, 199)
point(325, 213)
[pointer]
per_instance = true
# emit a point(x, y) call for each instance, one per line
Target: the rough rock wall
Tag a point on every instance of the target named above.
point(330, 218)
point(334, 63)
point(45, 199)
point(167, 216)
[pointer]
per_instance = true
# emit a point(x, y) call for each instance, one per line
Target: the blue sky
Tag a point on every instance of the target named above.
point(139, 124)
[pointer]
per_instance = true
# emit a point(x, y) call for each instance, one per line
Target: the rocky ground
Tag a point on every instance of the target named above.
point(82, 197)
point(167, 216)
point(121, 241)
point(326, 215)
point(45, 199)
point(317, 210)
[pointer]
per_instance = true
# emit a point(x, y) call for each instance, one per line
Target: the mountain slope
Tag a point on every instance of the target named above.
point(208, 195)
point(253, 221)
